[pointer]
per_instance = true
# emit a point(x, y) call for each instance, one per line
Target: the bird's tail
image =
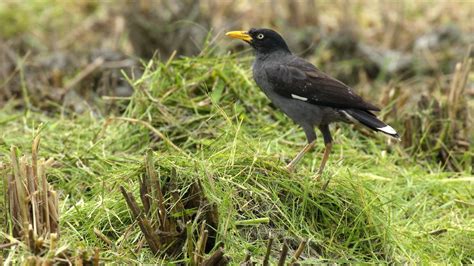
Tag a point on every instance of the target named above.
point(369, 120)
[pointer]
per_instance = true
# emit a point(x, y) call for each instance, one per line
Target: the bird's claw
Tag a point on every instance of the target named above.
point(318, 177)
point(290, 168)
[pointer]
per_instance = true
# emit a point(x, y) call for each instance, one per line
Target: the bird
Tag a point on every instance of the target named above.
point(307, 95)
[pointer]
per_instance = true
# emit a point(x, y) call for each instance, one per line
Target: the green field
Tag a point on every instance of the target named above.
point(202, 119)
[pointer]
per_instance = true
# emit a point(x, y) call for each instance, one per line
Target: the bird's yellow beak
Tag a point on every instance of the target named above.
point(242, 35)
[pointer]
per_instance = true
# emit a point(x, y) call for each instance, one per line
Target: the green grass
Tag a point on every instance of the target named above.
point(211, 123)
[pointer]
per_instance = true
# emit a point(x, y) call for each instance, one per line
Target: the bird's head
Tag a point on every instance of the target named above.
point(262, 40)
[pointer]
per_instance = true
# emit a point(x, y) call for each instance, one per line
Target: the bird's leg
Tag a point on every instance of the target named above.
point(291, 166)
point(327, 149)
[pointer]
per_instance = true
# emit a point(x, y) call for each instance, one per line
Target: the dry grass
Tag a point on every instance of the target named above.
point(33, 204)
point(33, 212)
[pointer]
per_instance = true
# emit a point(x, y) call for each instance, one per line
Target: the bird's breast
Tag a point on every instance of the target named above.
point(260, 76)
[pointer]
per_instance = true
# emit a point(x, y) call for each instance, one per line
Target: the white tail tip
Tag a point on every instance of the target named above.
point(388, 129)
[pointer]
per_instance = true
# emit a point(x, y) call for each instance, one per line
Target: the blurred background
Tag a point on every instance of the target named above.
point(413, 57)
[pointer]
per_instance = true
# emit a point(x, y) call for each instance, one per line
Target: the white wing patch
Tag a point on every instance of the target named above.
point(388, 129)
point(294, 96)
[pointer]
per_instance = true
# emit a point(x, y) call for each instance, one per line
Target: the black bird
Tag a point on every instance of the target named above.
point(308, 96)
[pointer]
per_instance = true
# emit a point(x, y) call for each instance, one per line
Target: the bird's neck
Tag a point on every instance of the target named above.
point(277, 54)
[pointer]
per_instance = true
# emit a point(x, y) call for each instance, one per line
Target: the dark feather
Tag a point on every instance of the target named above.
point(301, 78)
point(369, 120)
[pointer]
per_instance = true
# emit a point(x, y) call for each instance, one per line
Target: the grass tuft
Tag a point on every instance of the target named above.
point(205, 121)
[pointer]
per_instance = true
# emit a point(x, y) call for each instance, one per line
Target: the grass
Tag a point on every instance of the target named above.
point(204, 119)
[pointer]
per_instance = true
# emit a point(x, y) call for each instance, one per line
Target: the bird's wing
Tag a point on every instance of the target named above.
point(301, 80)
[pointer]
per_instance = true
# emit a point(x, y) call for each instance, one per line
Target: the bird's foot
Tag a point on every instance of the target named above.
point(325, 185)
point(292, 165)
point(290, 168)
point(318, 175)
point(318, 179)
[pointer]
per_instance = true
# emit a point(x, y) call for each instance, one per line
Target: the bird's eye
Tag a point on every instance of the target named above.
point(260, 36)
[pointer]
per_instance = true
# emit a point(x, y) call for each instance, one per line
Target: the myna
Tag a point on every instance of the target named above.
point(304, 93)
